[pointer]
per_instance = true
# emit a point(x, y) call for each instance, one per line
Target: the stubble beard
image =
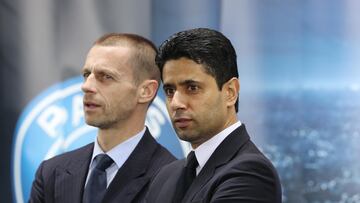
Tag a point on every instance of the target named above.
point(101, 122)
point(97, 124)
point(187, 135)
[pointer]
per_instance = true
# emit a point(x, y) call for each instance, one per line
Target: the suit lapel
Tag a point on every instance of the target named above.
point(222, 155)
point(70, 178)
point(130, 178)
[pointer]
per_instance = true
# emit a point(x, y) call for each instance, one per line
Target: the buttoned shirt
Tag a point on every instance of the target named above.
point(120, 153)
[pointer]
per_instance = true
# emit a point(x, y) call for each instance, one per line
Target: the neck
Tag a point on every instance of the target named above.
point(232, 119)
point(110, 137)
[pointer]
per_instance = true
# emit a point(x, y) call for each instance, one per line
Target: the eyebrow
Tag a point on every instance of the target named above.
point(99, 70)
point(85, 69)
point(182, 83)
point(187, 82)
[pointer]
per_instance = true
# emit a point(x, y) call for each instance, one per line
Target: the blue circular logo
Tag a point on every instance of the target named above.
point(53, 123)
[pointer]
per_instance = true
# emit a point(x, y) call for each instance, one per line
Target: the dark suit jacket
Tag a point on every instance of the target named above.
point(62, 178)
point(236, 172)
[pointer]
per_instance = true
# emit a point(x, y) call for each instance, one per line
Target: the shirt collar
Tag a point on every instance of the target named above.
point(206, 149)
point(120, 152)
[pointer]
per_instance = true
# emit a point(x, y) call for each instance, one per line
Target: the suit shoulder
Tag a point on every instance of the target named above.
point(251, 155)
point(254, 168)
point(160, 158)
point(64, 158)
point(155, 151)
point(168, 168)
point(167, 171)
point(164, 154)
point(251, 168)
point(253, 162)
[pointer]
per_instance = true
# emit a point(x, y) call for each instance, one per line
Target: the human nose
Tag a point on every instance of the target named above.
point(177, 101)
point(88, 85)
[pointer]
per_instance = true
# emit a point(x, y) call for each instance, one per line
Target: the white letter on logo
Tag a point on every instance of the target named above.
point(51, 119)
point(77, 108)
point(154, 120)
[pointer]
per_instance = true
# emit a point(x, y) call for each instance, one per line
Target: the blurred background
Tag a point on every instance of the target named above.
point(299, 66)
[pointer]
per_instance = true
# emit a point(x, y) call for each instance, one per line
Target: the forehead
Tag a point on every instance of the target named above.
point(178, 70)
point(109, 59)
point(105, 57)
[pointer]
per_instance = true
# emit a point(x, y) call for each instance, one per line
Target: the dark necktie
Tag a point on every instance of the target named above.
point(96, 185)
point(187, 176)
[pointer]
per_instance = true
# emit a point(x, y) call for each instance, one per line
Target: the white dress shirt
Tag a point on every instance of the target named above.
point(206, 149)
point(120, 153)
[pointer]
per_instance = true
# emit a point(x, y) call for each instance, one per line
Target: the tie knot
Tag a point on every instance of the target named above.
point(191, 161)
point(104, 161)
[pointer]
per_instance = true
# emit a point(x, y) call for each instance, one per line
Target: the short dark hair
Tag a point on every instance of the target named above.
point(204, 46)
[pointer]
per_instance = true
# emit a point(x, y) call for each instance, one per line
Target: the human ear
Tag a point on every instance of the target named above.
point(231, 88)
point(147, 90)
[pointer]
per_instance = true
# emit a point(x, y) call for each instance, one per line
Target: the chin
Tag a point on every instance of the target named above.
point(93, 123)
point(185, 136)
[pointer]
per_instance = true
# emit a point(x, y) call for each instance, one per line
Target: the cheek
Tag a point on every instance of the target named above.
point(129, 98)
point(168, 107)
point(113, 100)
point(212, 107)
point(106, 100)
point(210, 100)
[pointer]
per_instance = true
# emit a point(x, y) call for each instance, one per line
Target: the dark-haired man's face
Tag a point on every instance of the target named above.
point(197, 108)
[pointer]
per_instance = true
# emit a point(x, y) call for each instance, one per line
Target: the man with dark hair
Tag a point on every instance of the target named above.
point(120, 81)
point(200, 76)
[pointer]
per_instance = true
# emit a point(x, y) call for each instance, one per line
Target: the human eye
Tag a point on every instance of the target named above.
point(86, 74)
point(169, 91)
point(105, 76)
point(193, 88)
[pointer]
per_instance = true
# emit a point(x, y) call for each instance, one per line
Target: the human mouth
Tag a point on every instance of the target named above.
point(89, 105)
point(182, 122)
